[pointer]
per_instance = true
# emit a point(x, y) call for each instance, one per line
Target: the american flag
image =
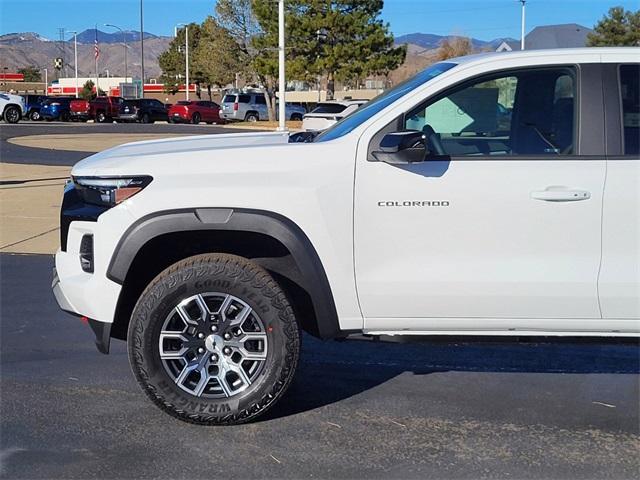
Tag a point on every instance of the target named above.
point(96, 49)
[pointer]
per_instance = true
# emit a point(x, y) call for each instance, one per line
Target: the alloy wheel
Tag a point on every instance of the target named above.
point(213, 345)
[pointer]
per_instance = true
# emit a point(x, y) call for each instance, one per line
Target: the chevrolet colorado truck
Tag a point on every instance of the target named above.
point(494, 194)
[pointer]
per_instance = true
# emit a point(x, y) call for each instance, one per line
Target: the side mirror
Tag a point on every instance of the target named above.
point(401, 147)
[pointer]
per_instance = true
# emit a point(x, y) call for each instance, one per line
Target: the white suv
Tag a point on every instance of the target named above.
point(489, 195)
point(12, 107)
point(327, 114)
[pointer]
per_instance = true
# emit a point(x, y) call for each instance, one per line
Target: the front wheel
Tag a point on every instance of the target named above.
point(101, 117)
point(213, 340)
point(296, 117)
point(12, 114)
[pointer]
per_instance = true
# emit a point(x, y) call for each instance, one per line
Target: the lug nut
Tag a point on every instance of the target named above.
point(201, 335)
point(214, 358)
point(214, 328)
point(226, 351)
point(201, 350)
point(227, 336)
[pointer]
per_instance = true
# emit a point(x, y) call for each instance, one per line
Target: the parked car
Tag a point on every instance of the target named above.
point(34, 104)
point(328, 113)
point(56, 108)
point(105, 109)
point(408, 218)
point(252, 107)
point(79, 110)
point(195, 112)
point(12, 107)
point(144, 110)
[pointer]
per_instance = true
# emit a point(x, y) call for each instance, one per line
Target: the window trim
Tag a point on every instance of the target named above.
point(573, 69)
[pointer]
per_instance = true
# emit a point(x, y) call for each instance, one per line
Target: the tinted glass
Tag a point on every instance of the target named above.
point(528, 113)
point(329, 108)
point(630, 92)
point(229, 99)
point(260, 100)
point(184, 102)
point(382, 101)
point(244, 98)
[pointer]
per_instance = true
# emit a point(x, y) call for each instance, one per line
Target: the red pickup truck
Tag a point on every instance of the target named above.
point(104, 109)
point(79, 110)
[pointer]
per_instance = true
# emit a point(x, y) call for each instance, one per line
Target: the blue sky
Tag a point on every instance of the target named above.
point(483, 19)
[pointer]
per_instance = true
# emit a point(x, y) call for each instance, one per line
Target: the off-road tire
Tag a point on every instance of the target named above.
point(226, 274)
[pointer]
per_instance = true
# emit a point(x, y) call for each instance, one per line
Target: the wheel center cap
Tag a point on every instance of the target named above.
point(214, 343)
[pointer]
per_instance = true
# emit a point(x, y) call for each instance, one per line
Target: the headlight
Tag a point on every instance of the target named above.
point(109, 191)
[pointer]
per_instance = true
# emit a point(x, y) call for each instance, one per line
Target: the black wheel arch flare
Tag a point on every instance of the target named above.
point(310, 272)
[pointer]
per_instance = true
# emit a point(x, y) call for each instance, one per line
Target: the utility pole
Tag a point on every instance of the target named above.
point(46, 80)
point(523, 2)
point(142, 49)
point(282, 126)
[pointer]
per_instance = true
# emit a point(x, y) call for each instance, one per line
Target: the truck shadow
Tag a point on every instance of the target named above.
point(330, 372)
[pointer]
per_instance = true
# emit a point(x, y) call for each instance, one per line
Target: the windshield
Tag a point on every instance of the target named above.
point(381, 102)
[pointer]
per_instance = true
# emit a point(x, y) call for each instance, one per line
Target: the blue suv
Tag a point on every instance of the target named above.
point(56, 108)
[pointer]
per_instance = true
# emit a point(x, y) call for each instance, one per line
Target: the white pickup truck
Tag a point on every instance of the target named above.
point(495, 194)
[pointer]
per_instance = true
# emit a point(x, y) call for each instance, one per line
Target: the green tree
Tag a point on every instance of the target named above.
point(343, 40)
point(31, 74)
point(87, 92)
point(216, 59)
point(172, 61)
point(619, 27)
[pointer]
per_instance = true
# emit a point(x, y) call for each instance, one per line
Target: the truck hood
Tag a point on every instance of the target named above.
point(122, 158)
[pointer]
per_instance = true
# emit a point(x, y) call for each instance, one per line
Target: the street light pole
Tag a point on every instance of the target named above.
point(186, 51)
point(523, 2)
point(124, 39)
point(75, 56)
point(142, 49)
point(282, 126)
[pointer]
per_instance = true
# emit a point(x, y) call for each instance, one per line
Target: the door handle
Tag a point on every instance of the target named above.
point(561, 194)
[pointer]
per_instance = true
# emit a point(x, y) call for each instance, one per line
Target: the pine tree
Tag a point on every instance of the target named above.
point(619, 27)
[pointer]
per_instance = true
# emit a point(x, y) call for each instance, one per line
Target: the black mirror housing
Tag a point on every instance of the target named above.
point(397, 141)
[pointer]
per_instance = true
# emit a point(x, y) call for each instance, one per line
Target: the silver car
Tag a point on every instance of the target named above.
point(252, 107)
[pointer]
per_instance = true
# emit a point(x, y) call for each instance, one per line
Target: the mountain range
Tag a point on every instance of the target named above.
point(28, 48)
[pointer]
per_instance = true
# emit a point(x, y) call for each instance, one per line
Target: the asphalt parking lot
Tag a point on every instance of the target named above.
point(356, 409)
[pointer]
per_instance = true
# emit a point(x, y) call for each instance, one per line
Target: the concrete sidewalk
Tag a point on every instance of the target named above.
point(30, 198)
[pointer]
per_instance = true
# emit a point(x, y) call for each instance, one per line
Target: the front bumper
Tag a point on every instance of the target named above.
point(101, 330)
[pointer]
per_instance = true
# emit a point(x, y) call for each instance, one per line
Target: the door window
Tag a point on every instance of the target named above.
point(630, 93)
point(521, 113)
